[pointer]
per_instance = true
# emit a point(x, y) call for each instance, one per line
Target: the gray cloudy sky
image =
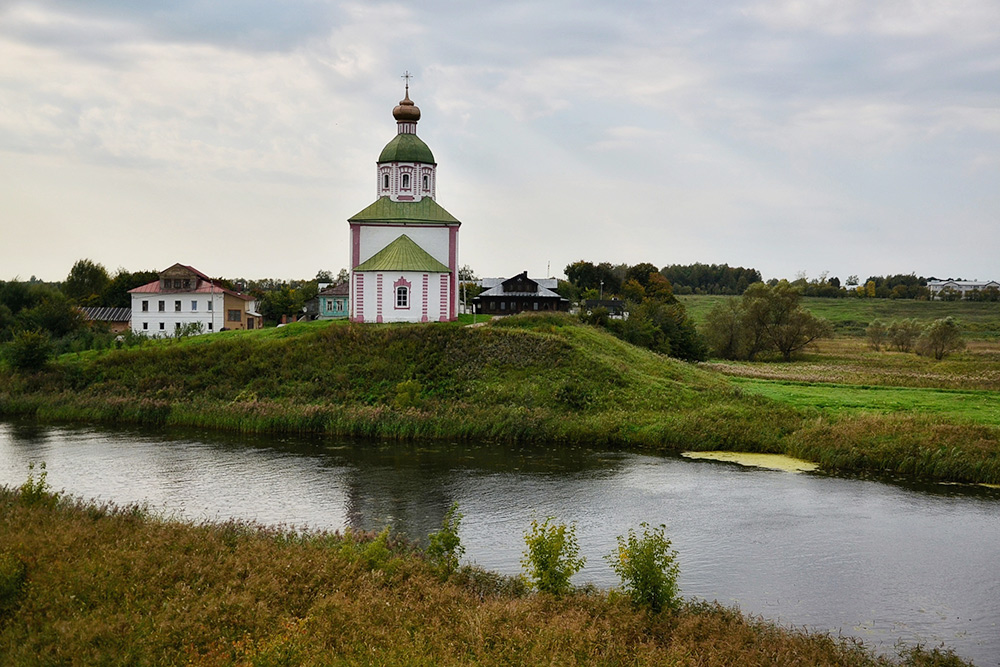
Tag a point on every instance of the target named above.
point(848, 136)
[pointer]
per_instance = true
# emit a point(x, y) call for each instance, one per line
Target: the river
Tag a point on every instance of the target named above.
point(885, 562)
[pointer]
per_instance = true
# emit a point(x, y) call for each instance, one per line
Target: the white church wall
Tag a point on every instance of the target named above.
point(433, 239)
point(428, 296)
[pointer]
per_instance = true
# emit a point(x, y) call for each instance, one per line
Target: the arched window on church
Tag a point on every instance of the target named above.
point(402, 297)
point(406, 182)
point(385, 181)
point(427, 183)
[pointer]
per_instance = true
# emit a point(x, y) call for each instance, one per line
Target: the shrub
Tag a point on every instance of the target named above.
point(408, 394)
point(648, 568)
point(445, 548)
point(552, 555)
point(940, 338)
point(902, 334)
point(876, 333)
point(29, 350)
point(37, 492)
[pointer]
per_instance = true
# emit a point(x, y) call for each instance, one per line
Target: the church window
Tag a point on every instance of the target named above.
point(385, 181)
point(402, 297)
point(406, 182)
point(427, 182)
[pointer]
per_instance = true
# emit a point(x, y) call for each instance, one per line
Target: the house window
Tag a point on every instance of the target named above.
point(187, 284)
point(194, 305)
point(329, 306)
point(209, 326)
point(177, 283)
point(145, 326)
point(166, 284)
point(145, 306)
point(161, 326)
point(177, 326)
point(402, 297)
point(536, 305)
point(503, 305)
point(385, 181)
point(162, 306)
point(406, 182)
point(234, 316)
point(177, 306)
point(209, 305)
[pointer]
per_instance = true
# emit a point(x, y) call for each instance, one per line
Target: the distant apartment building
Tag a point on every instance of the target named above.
point(959, 288)
point(183, 295)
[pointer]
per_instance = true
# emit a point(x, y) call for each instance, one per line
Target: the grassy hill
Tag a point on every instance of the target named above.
point(525, 378)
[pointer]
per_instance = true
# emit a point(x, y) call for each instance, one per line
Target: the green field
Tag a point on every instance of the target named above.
point(978, 407)
point(850, 316)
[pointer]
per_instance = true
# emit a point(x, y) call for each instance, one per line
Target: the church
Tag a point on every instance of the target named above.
point(404, 246)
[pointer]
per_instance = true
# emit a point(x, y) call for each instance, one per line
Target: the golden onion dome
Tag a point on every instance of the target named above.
point(406, 110)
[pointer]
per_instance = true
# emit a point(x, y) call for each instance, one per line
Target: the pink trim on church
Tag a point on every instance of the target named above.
point(359, 297)
point(423, 300)
point(378, 297)
point(355, 245)
point(453, 265)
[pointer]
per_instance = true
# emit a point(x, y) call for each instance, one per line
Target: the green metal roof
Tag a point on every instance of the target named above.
point(406, 148)
point(402, 255)
point(423, 212)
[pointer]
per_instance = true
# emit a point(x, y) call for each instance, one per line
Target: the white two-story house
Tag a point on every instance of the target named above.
point(183, 295)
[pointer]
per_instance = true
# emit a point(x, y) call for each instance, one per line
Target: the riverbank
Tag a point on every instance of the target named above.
point(523, 379)
point(95, 584)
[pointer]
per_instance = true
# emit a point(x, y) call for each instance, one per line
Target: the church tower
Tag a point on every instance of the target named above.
point(404, 246)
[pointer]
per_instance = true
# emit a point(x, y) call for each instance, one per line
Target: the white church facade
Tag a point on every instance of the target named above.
point(404, 246)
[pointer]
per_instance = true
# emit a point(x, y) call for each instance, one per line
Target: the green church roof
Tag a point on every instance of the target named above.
point(406, 148)
point(423, 212)
point(402, 255)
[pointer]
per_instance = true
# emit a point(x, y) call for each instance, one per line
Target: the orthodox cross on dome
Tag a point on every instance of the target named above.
point(406, 75)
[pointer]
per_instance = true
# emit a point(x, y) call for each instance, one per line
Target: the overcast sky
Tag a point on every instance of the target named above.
point(237, 136)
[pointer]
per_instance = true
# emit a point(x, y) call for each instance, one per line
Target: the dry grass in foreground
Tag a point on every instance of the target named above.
point(88, 584)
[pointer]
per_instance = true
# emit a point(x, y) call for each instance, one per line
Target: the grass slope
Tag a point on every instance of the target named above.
point(525, 378)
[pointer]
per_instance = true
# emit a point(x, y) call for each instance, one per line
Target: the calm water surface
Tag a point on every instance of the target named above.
point(883, 562)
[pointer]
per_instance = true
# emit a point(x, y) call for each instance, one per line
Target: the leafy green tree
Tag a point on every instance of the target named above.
point(86, 282)
point(766, 318)
point(647, 566)
point(282, 301)
point(29, 350)
point(552, 556)
point(940, 338)
point(641, 273)
point(116, 293)
point(877, 334)
point(724, 330)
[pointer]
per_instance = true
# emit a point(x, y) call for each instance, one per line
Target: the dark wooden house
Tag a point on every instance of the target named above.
point(519, 294)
